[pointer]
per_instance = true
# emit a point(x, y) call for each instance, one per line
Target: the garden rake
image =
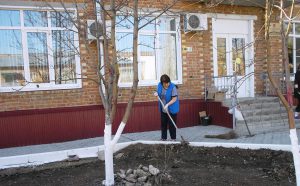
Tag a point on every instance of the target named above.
point(183, 141)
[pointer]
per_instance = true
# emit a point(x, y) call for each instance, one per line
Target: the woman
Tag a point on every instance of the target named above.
point(167, 92)
point(296, 92)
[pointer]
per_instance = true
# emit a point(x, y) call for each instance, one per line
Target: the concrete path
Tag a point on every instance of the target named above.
point(191, 134)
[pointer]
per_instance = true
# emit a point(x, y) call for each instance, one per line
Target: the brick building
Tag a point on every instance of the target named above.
point(39, 105)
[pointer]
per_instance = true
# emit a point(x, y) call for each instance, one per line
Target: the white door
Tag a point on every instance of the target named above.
point(232, 55)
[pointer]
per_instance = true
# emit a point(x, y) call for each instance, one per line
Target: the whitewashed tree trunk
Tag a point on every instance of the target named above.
point(118, 134)
point(296, 154)
point(109, 145)
point(108, 154)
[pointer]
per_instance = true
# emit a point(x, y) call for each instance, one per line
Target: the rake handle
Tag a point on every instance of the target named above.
point(167, 112)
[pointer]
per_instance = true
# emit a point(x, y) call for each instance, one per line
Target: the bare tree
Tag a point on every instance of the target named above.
point(109, 92)
point(106, 12)
point(108, 15)
point(273, 7)
point(287, 101)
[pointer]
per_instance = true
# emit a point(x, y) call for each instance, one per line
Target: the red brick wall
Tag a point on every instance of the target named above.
point(196, 65)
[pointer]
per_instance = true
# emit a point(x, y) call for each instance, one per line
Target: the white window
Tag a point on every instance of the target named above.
point(159, 50)
point(38, 50)
point(294, 46)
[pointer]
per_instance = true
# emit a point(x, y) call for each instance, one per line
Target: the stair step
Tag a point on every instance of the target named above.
point(258, 105)
point(262, 127)
point(258, 100)
point(262, 114)
point(255, 102)
point(263, 111)
point(266, 118)
point(263, 122)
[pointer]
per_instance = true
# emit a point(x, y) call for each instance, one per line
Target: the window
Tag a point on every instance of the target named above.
point(159, 50)
point(221, 52)
point(238, 55)
point(294, 46)
point(233, 61)
point(38, 50)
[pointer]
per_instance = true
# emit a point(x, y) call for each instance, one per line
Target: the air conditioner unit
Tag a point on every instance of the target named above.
point(195, 22)
point(92, 29)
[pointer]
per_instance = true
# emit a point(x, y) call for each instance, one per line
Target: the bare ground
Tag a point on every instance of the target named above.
point(186, 165)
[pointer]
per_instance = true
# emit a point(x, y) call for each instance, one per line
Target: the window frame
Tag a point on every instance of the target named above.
point(294, 36)
point(48, 30)
point(157, 52)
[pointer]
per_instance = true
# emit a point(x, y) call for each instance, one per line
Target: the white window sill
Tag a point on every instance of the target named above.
point(146, 84)
point(38, 87)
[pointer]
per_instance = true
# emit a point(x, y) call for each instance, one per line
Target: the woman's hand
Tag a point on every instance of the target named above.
point(166, 107)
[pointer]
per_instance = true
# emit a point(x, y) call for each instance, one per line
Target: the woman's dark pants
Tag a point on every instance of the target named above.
point(165, 123)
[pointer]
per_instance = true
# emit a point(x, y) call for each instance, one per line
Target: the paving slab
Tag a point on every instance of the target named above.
point(191, 134)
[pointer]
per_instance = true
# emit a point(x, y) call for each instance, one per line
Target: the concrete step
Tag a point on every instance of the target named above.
point(262, 114)
point(264, 122)
point(270, 122)
point(253, 101)
point(258, 100)
point(270, 117)
point(261, 127)
point(263, 107)
point(263, 111)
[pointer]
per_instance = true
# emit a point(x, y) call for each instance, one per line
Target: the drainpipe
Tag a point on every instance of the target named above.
point(233, 101)
point(205, 88)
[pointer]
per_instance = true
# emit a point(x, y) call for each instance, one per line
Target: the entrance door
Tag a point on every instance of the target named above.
point(232, 55)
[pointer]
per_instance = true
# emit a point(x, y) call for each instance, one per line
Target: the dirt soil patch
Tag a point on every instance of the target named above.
point(186, 165)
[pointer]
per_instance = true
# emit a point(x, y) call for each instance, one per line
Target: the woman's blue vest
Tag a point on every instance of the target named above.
point(174, 108)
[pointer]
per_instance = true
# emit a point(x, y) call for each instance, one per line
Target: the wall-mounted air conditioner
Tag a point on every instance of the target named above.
point(195, 22)
point(92, 29)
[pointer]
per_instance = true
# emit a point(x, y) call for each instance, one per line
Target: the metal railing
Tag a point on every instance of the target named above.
point(219, 84)
point(226, 83)
point(279, 79)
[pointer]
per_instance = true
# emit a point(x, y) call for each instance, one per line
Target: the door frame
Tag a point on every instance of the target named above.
point(248, 33)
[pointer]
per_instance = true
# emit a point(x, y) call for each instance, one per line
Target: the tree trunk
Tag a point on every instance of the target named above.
point(108, 153)
point(110, 81)
point(286, 102)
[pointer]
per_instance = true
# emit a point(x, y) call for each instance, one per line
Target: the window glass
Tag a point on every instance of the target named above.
point(157, 48)
point(64, 57)
point(147, 57)
point(147, 23)
point(54, 42)
point(297, 28)
point(124, 22)
point(297, 46)
point(297, 61)
point(167, 24)
point(297, 52)
point(238, 56)
point(125, 58)
point(9, 18)
point(38, 57)
point(62, 19)
point(11, 58)
point(290, 54)
point(221, 55)
point(35, 19)
point(285, 24)
point(168, 55)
